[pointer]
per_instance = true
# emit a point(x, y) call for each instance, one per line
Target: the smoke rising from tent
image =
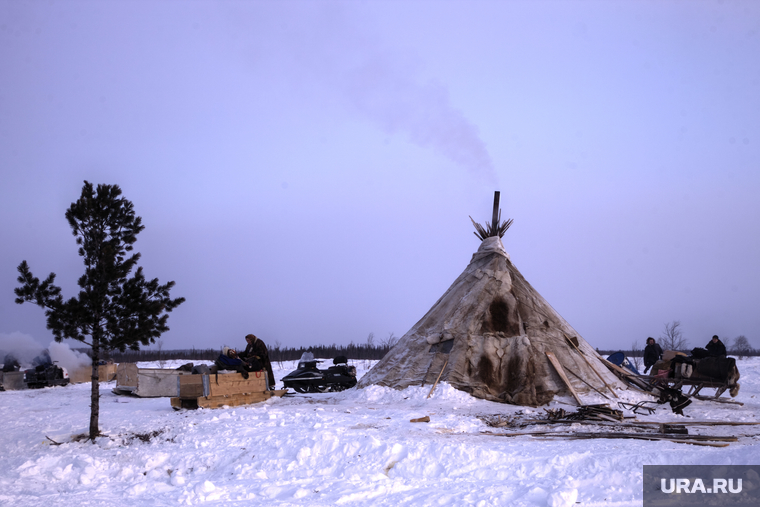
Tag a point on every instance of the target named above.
point(339, 53)
point(396, 102)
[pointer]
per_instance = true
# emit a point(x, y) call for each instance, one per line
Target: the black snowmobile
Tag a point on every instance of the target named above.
point(46, 375)
point(310, 379)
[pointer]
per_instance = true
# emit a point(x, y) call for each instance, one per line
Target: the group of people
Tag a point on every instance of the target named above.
point(653, 351)
point(255, 357)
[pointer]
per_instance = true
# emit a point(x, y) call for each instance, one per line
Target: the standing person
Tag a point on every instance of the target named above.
point(715, 347)
point(652, 353)
point(257, 349)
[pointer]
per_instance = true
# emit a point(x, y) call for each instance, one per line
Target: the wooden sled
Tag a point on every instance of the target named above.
point(222, 389)
point(695, 385)
point(648, 383)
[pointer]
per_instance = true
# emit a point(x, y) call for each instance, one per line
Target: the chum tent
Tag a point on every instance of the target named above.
point(489, 335)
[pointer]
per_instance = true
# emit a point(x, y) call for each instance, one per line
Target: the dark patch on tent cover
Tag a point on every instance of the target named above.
point(486, 371)
point(442, 347)
point(502, 318)
point(513, 380)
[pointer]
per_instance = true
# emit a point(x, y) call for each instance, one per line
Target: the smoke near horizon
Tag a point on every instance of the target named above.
point(24, 348)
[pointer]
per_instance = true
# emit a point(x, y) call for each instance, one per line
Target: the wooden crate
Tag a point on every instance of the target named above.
point(220, 384)
point(148, 382)
point(106, 373)
point(223, 389)
point(233, 400)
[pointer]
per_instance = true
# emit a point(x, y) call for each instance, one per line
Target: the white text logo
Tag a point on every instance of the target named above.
point(686, 486)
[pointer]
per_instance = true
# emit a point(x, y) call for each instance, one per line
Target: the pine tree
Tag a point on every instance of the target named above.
point(114, 310)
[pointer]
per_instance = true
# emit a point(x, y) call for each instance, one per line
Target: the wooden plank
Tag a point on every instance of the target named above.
point(636, 424)
point(627, 375)
point(190, 391)
point(236, 388)
point(570, 340)
point(191, 379)
point(682, 439)
point(439, 378)
point(231, 378)
point(192, 386)
point(234, 383)
point(707, 423)
point(557, 366)
point(224, 384)
point(718, 400)
point(219, 380)
point(221, 401)
point(233, 400)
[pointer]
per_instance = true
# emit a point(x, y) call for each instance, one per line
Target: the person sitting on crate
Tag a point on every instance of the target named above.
point(715, 347)
point(229, 360)
point(256, 350)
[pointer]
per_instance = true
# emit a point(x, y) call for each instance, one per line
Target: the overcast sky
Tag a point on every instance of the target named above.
point(305, 170)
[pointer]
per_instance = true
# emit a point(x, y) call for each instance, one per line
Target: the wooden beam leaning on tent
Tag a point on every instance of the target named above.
point(589, 385)
point(574, 343)
point(627, 376)
point(436, 380)
point(557, 366)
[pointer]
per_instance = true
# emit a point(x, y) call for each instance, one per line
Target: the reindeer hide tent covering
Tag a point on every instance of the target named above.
point(488, 335)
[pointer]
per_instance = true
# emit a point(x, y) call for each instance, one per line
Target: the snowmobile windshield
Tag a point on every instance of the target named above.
point(306, 357)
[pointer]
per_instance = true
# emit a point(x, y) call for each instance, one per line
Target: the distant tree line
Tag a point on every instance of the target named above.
point(134, 356)
point(277, 353)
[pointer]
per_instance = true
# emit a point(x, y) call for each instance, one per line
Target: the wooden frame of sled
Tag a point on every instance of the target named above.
point(222, 389)
point(648, 382)
point(695, 386)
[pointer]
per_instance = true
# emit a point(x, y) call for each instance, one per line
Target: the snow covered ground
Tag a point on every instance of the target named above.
point(357, 447)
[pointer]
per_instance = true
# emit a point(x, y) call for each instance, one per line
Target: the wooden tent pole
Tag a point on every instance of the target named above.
point(571, 342)
point(439, 378)
point(495, 216)
point(561, 371)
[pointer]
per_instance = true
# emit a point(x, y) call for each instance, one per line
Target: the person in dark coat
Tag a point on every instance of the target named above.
point(652, 353)
point(257, 350)
point(229, 360)
point(715, 347)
